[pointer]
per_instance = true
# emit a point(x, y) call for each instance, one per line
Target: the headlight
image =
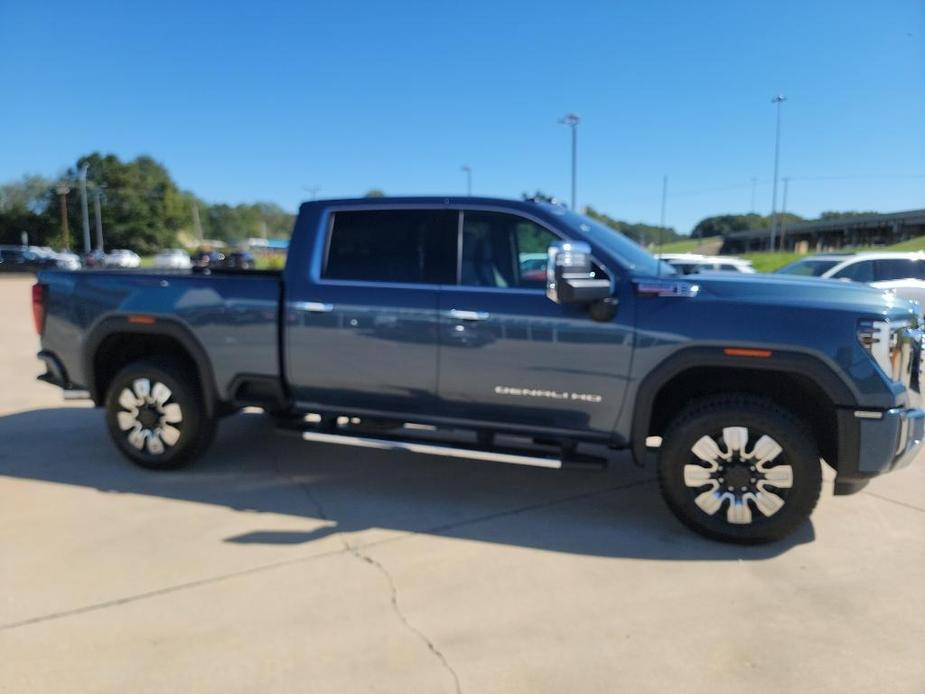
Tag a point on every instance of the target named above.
point(896, 347)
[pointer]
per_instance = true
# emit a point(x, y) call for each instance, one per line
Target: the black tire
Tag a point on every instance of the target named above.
point(179, 423)
point(758, 494)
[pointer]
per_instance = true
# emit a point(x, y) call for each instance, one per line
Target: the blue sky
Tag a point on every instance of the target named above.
point(253, 101)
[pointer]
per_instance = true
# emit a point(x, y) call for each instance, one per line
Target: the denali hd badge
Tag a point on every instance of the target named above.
point(543, 393)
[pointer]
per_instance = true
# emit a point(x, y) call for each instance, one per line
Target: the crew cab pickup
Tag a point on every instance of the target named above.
point(422, 324)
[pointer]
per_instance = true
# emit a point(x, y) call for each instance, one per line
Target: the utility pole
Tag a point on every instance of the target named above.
point(313, 190)
point(572, 120)
point(778, 100)
point(468, 170)
point(62, 191)
point(197, 225)
point(754, 186)
point(783, 211)
point(99, 219)
point(85, 216)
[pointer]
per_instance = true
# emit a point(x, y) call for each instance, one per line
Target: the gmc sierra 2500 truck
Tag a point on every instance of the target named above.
point(397, 320)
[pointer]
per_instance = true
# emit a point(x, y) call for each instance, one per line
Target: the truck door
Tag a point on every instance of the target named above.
point(362, 334)
point(510, 355)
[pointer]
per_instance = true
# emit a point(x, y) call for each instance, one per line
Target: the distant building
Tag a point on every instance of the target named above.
point(831, 234)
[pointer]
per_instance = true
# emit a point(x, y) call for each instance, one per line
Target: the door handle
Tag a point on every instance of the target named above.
point(469, 315)
point(313, 306)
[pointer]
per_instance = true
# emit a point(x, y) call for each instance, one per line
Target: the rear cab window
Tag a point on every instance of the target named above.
point(393, 246)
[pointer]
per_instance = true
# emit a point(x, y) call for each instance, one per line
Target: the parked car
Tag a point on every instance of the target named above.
point(24, 259)
point(65, 260)
point(689, 263)
point(901, 273)
point(94, 259)
point(239, 260)
point(122, 258)
point(172, 259)
point(413, 311)
point(204, 259)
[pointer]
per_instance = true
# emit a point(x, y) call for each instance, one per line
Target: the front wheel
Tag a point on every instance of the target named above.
point(156, 415)
point(739, 469)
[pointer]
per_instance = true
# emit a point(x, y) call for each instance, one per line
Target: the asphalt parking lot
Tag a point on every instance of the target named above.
point(275, 565)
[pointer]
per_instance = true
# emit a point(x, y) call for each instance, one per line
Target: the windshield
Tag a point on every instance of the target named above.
point(639, 260)
point(808, 268)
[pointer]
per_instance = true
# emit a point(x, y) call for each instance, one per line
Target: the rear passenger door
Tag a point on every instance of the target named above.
point(362, 332)
point(508, 354)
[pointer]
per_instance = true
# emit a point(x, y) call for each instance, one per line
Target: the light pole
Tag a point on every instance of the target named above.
point(82, 175)
point(572, 120)
point(468, 170)
point(99, 219)
point(783, 212)
point(778, 100)
point(62, 191)
point(754, 185)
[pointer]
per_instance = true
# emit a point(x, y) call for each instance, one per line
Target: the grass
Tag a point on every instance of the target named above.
point(708, 247)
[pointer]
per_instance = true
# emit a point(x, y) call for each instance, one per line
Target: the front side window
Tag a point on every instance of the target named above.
point(862, 271)
point(395, 246)
point(503, 250)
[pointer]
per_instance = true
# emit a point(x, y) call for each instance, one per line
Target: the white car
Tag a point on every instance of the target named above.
point(901, 273)
point(686, 263)
point(120, 257)
point(67, 260)
point(172, 259)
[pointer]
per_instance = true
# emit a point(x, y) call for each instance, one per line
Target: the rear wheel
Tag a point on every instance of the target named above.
point(156, 415)
point(739, 469)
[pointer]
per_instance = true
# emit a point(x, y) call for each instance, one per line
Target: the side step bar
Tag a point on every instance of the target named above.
point(566, 458)
point(447, 450)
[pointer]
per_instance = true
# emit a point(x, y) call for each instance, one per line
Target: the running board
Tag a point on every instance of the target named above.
point(447, 450)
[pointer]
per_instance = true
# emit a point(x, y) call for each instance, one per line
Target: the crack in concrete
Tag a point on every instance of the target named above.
point(894, 501)
point(396, 608)
point(211, 580)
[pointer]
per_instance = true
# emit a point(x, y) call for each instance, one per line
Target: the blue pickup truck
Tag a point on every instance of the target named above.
point(425, 324)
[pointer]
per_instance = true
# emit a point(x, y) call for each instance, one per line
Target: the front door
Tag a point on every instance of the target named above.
point(510, 355)
point(363, 335)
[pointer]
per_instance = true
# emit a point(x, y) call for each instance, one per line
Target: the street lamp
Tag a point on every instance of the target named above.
point(62, 190)
point(778, 100)
point(468, 170)
point(572, 120)
point(82, 175)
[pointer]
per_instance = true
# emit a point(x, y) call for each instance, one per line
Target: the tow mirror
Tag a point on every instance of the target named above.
point(569, 278)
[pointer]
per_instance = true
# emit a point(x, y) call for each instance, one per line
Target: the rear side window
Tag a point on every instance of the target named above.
point(898, 269)
point(862, 271)
point(396, 246)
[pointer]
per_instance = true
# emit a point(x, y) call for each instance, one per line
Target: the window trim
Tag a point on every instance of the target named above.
point(326, 229)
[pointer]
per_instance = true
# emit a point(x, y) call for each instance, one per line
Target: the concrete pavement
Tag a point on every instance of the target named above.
point(275, 565)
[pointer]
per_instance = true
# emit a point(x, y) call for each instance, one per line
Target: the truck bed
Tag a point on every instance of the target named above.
point(232, 315)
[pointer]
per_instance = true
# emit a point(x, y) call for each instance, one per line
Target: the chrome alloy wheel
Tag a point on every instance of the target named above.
point(739, 478)
point(148, 417)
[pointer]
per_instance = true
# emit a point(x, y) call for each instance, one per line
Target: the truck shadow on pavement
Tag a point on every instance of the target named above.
point(616, 513)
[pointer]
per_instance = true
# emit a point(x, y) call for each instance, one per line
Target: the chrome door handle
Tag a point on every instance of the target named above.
point(469, 315)
point(313, 306)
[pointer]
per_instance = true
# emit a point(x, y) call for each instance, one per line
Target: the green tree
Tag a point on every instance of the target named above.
point(643, 234)
point(142, 207)
point(374, 193)
point(725, 224)
point(25, 207)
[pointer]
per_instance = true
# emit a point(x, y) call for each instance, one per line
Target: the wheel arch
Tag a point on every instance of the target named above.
point(116, 341)
point(799, 382)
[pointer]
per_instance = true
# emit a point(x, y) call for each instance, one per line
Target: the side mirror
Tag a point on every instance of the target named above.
point(569, 279)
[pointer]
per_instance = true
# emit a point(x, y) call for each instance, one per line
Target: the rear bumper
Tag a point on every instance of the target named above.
point(876, 442)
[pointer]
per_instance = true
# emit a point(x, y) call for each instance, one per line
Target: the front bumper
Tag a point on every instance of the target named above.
point(876, 442)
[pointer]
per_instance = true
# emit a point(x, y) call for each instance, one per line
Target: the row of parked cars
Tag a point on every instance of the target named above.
point(35, 258)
